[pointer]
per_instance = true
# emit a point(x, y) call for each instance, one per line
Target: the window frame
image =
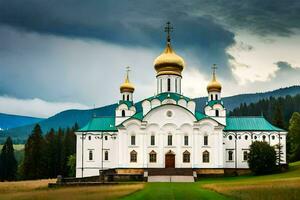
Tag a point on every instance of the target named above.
point(133, 156)
point(170, 140)
point(205, 140)
point(152, 157)
point(186, 157)
point(132, 140)
point(205, 156)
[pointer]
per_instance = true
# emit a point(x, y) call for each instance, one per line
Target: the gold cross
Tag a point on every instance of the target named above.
point(168, 30)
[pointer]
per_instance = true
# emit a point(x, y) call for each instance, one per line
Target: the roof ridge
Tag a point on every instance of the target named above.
point(259, 116)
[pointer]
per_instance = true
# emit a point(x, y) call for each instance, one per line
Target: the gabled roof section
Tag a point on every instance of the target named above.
point(100, 124)
point(200, 116)
point(258, 123)
point(128, 103)
point(214, 102)
point(168, 95)
point(138, 116)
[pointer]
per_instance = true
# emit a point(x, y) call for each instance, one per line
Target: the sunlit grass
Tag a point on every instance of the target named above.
point(25, 190)
point(277, 186)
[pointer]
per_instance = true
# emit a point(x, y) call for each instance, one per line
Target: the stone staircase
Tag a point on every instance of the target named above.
point(170, 175)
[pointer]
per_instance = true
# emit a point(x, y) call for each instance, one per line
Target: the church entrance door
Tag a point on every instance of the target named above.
point(170, 160)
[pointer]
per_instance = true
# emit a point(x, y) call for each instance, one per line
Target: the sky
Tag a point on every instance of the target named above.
point(72, 54)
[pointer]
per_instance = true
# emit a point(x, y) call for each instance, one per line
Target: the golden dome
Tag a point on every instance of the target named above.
point(127, 86)
point(169, 63)
point(214, 85)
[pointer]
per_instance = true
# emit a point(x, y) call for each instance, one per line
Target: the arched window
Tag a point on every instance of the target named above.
point(133, 156)
point(169, 140)
point(152, 157)
point(128, 97)
point(211, 97)
point(105, 137)
point(106, 155)
point(273, 137)
point(132, 140)
point(186, 140)
point(216, 97)
point(205, 157)
point(175, 85)
point(217, 113)
point(123, 97)
point(186, 157)
point(245, 155)
point(230, 155)
point(246, 137)
point(205, 140)
point(264, 138)
point(123, 113)
point(152, 142)
point(169, 85)
point(230, 137)
point(90, 137)
point(90, 154)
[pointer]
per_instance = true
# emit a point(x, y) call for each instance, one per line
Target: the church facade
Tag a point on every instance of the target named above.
point(166, 130)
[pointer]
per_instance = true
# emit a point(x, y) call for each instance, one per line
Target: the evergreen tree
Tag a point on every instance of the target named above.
point(34, 165)
point(59, 152)
point(278, 116)
point(294, 136)
point(50, 154)
point(8, 163)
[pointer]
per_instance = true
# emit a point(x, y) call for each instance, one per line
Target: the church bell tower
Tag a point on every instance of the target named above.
point(168, 67)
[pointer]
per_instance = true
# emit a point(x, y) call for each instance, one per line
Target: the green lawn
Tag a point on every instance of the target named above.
point(277, 186)
point(169, 191)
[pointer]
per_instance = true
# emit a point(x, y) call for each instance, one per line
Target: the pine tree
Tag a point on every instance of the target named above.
point(294, 136)
point(50, 154)
point(34, 165)
point(278, 116)
point(8, 163)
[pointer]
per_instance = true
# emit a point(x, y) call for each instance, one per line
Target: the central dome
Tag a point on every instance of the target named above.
point(169, 63)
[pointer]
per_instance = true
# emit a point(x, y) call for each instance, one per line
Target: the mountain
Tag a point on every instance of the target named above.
point(69, 117)
point(8, 121)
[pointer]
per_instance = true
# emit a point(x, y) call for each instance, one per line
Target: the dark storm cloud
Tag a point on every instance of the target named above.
point(132, 23)
point(285, 66)
point(264, 17)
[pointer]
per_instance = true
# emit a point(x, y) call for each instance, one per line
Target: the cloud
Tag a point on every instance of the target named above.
point(126, 23)
point(35, 107)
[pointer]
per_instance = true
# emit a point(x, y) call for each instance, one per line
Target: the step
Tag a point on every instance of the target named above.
point(183, 179)
point(170, 172)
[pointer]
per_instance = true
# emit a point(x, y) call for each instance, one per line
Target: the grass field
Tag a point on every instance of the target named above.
point(38, 190)
point(277, 186)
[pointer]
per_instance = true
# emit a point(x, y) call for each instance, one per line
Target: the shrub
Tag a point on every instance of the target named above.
point(262, 158)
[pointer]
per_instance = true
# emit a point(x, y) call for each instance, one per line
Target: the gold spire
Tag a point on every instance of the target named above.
point(214, 85)
point(169, 63)
point(127, 86)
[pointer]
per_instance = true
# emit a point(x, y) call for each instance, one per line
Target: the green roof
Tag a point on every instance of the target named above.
point(249, 124)
point(168, 95)
point(138, 116)
point(200, 116)
point(106, 124)
point(128, 103)
point(212, 103)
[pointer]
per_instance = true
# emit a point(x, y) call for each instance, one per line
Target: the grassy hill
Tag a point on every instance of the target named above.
point(69, 117)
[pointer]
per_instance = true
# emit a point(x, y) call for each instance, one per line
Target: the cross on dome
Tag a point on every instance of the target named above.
point(168, 30)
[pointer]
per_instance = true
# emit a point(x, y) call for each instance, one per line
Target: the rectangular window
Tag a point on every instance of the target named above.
point(153, 157)
point(245, 155)
point(230, 155)
point(169, 140)
point(186, 157)
point(169, 85)
point(160, 85)
point(106, 155)
point(175, 85)
point(90, 154)
point(152, 140)
point(133, 156)
point(205, 140)
point(186, 140)
point(133, 140)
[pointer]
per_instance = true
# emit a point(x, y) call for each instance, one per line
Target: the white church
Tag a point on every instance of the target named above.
point(168, 132)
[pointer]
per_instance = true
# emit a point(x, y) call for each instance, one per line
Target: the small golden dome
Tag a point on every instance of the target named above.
point(214, 85)
point(127, 86)
point(169, 63)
